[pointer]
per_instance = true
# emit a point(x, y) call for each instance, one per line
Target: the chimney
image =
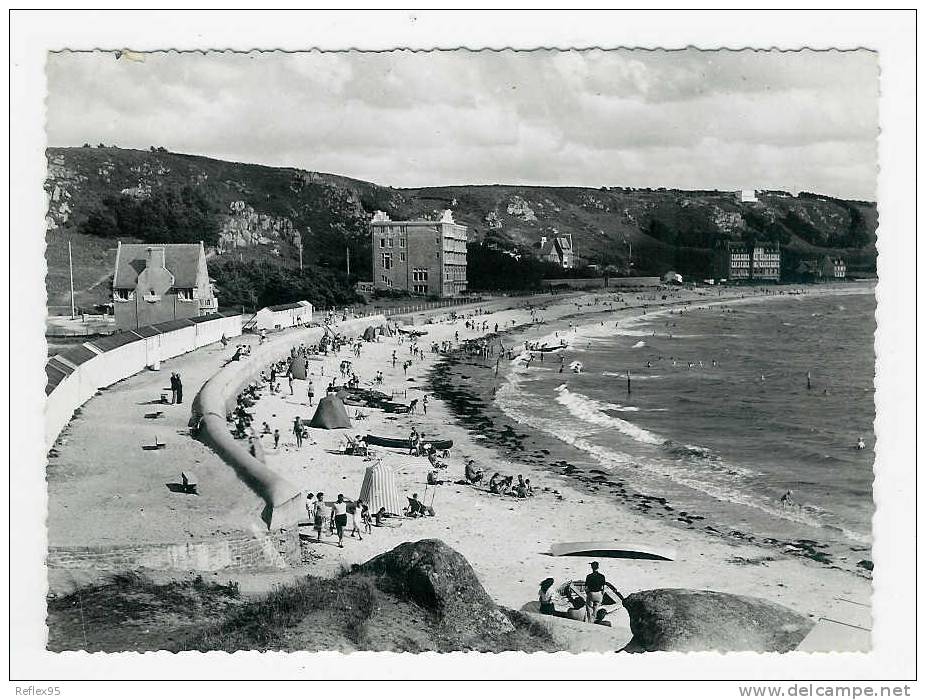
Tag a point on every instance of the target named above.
point(156, 258)
point(543, 240)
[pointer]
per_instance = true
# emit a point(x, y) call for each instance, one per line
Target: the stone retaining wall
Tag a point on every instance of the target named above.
point(279, 549)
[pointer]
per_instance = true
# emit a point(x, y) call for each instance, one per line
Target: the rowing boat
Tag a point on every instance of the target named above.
point(611, 549)
point(405, 443)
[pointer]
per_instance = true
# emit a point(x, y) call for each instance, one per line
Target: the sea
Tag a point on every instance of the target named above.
point(730, 406)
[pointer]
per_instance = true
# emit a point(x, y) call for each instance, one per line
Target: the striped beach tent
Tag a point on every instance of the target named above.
point(380, 491)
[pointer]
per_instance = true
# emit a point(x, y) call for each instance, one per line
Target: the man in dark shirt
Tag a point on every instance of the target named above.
point(594, 592)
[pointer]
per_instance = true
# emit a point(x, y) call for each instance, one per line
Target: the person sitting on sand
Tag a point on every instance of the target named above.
point(380, 514)
point(546, 597)
point(600, 618)
point(506, 486)
point(473, 474)
point(415, 507)
point(521, 489)
point(433, 479)
point(528, 489)
point(495, 482)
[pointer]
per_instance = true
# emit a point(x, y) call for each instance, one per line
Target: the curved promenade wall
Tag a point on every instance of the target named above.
point(284, 501)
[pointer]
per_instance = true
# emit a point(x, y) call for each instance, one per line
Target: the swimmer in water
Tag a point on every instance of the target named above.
point(786, 499)
point(860, 445)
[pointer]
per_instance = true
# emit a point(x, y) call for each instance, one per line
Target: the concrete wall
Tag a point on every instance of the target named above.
point(117, 364)
point(277, 550)
point(284, 502)
point(604, 282)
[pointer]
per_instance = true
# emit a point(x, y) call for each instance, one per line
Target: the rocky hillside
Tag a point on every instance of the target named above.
point(99, 194)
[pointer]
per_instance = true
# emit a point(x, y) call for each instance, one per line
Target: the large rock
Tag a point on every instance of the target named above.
point(677, 619)
point(439, 579)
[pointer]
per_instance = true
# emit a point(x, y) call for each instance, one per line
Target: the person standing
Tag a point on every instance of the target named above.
point(173, 387)
point(179, 389)
point(594, 592)
point(424, 404)
point(311, 392)
point(276, 438)
point(289, 377)
point(321, 514)
point(358, 519)
point(340, 518)
point(297, 431)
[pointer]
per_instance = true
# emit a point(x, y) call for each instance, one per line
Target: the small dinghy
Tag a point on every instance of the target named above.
point(611, 549)
point(404, 443)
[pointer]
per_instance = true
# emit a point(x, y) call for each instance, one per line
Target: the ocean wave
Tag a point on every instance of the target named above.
point(639, 344)
point(593, 412)
point(623, 375)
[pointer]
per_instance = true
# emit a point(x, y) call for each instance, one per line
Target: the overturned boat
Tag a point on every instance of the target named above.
point(611, 549)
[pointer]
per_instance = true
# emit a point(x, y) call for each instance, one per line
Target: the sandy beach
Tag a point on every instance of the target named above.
point(506, 539)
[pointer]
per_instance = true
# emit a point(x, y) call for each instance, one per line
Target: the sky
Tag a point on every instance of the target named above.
point(634, 118)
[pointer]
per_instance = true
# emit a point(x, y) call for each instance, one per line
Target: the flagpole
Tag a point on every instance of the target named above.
point(71, 272)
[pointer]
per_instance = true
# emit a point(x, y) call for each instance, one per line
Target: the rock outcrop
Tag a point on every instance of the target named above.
point(439, 579)
point(677, 619)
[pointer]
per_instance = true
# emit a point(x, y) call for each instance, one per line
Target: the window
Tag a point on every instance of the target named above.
point(401, 257)
point(382, 242)
point(420, 274)
point(402, 242)
point(421, 289)
point(391, 241)
point(185, 294)
point(123, 294)
point(387, 261)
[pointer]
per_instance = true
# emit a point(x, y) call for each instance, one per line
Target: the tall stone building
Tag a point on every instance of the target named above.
point(421, 257)
point(737, 261)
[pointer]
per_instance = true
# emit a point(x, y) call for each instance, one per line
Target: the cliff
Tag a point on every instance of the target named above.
point(98, 194)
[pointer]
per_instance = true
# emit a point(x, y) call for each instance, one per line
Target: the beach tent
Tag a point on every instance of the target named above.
point(297, 367)
point(369, 334)
point(386, 330)
point(379, 490)
point(330, 414)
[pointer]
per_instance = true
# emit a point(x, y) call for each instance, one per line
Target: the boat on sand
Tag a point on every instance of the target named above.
point(405, 443)
point(611, 549)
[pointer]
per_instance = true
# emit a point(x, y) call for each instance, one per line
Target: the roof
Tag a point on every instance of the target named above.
point(205, 317)
point(78, 354)
point(168, 326)
point(181, 259)
point(55, 371)
point(117, 340)
point(146, 331)
point(286, 307)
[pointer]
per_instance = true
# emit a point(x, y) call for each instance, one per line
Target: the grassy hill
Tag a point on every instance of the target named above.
point(251, 212)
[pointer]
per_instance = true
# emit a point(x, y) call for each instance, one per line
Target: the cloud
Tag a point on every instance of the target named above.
point(805, 120)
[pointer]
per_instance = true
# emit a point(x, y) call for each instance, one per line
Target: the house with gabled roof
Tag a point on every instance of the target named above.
point(155, 283)
point(558, 250)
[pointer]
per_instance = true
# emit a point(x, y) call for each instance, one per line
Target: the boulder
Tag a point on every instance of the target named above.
point(439, 579)
point(677, 619)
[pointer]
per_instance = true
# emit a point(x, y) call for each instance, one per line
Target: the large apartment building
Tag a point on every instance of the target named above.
point(422, 257)
point(736, 261)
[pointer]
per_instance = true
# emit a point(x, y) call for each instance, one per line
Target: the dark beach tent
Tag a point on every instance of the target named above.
point(297, 367)
point(369, 334)
point(330, 414)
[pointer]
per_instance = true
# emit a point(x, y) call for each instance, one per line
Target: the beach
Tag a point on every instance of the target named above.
point(505, 539)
